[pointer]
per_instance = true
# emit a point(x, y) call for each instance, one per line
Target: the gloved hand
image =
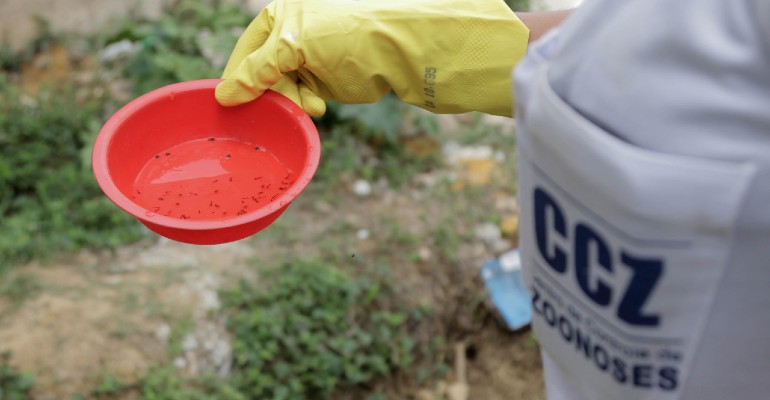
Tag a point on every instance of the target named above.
point(446, 56)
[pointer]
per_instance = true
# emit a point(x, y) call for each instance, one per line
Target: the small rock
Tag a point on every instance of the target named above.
point(362, 188)
point(118, 50)
point(209, 300)
point(189, 343)
point(424, 253)
point(491, 235)
point(507, 204)
point(451, 150)
point(362, 234)
point(163, 333)
point(427, 180)
point(488, 233)
point(180, 363)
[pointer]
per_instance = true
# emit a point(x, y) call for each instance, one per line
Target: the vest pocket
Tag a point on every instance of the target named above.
point(623, 247)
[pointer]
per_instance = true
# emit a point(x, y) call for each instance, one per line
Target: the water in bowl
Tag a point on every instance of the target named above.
point(210, 179)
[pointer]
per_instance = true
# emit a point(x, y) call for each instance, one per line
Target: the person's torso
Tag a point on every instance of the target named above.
point(644, 131)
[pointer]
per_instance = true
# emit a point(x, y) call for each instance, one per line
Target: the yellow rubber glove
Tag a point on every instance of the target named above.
point(446, 56)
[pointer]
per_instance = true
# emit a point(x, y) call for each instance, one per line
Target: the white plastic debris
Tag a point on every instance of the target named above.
point(119, 49)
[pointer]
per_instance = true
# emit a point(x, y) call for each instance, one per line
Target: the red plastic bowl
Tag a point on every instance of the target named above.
point(196, 172)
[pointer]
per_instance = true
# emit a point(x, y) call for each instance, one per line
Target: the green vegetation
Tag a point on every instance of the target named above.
point(109, 385)
point(192, 40)
point(310, 329)
point(13, 384)
point(306, 331)
point(49, 200)
point(348, 154)
point(164, 383)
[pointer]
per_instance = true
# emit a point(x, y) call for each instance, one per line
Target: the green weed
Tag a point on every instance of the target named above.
point(109, 385)
point(311, 328)
point(13, 384)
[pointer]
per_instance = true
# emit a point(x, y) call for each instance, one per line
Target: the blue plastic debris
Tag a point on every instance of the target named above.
point(503, 280)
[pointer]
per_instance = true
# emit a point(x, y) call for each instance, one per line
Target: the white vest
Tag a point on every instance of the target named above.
point(644, 139)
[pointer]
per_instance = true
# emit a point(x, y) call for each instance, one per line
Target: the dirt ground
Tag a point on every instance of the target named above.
point(96, 315)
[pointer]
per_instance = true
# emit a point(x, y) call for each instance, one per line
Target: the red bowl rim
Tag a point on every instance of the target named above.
point(103, 178)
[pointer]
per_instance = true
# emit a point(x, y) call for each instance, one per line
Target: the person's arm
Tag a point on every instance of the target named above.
point(447, 56)
point(539, 23)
